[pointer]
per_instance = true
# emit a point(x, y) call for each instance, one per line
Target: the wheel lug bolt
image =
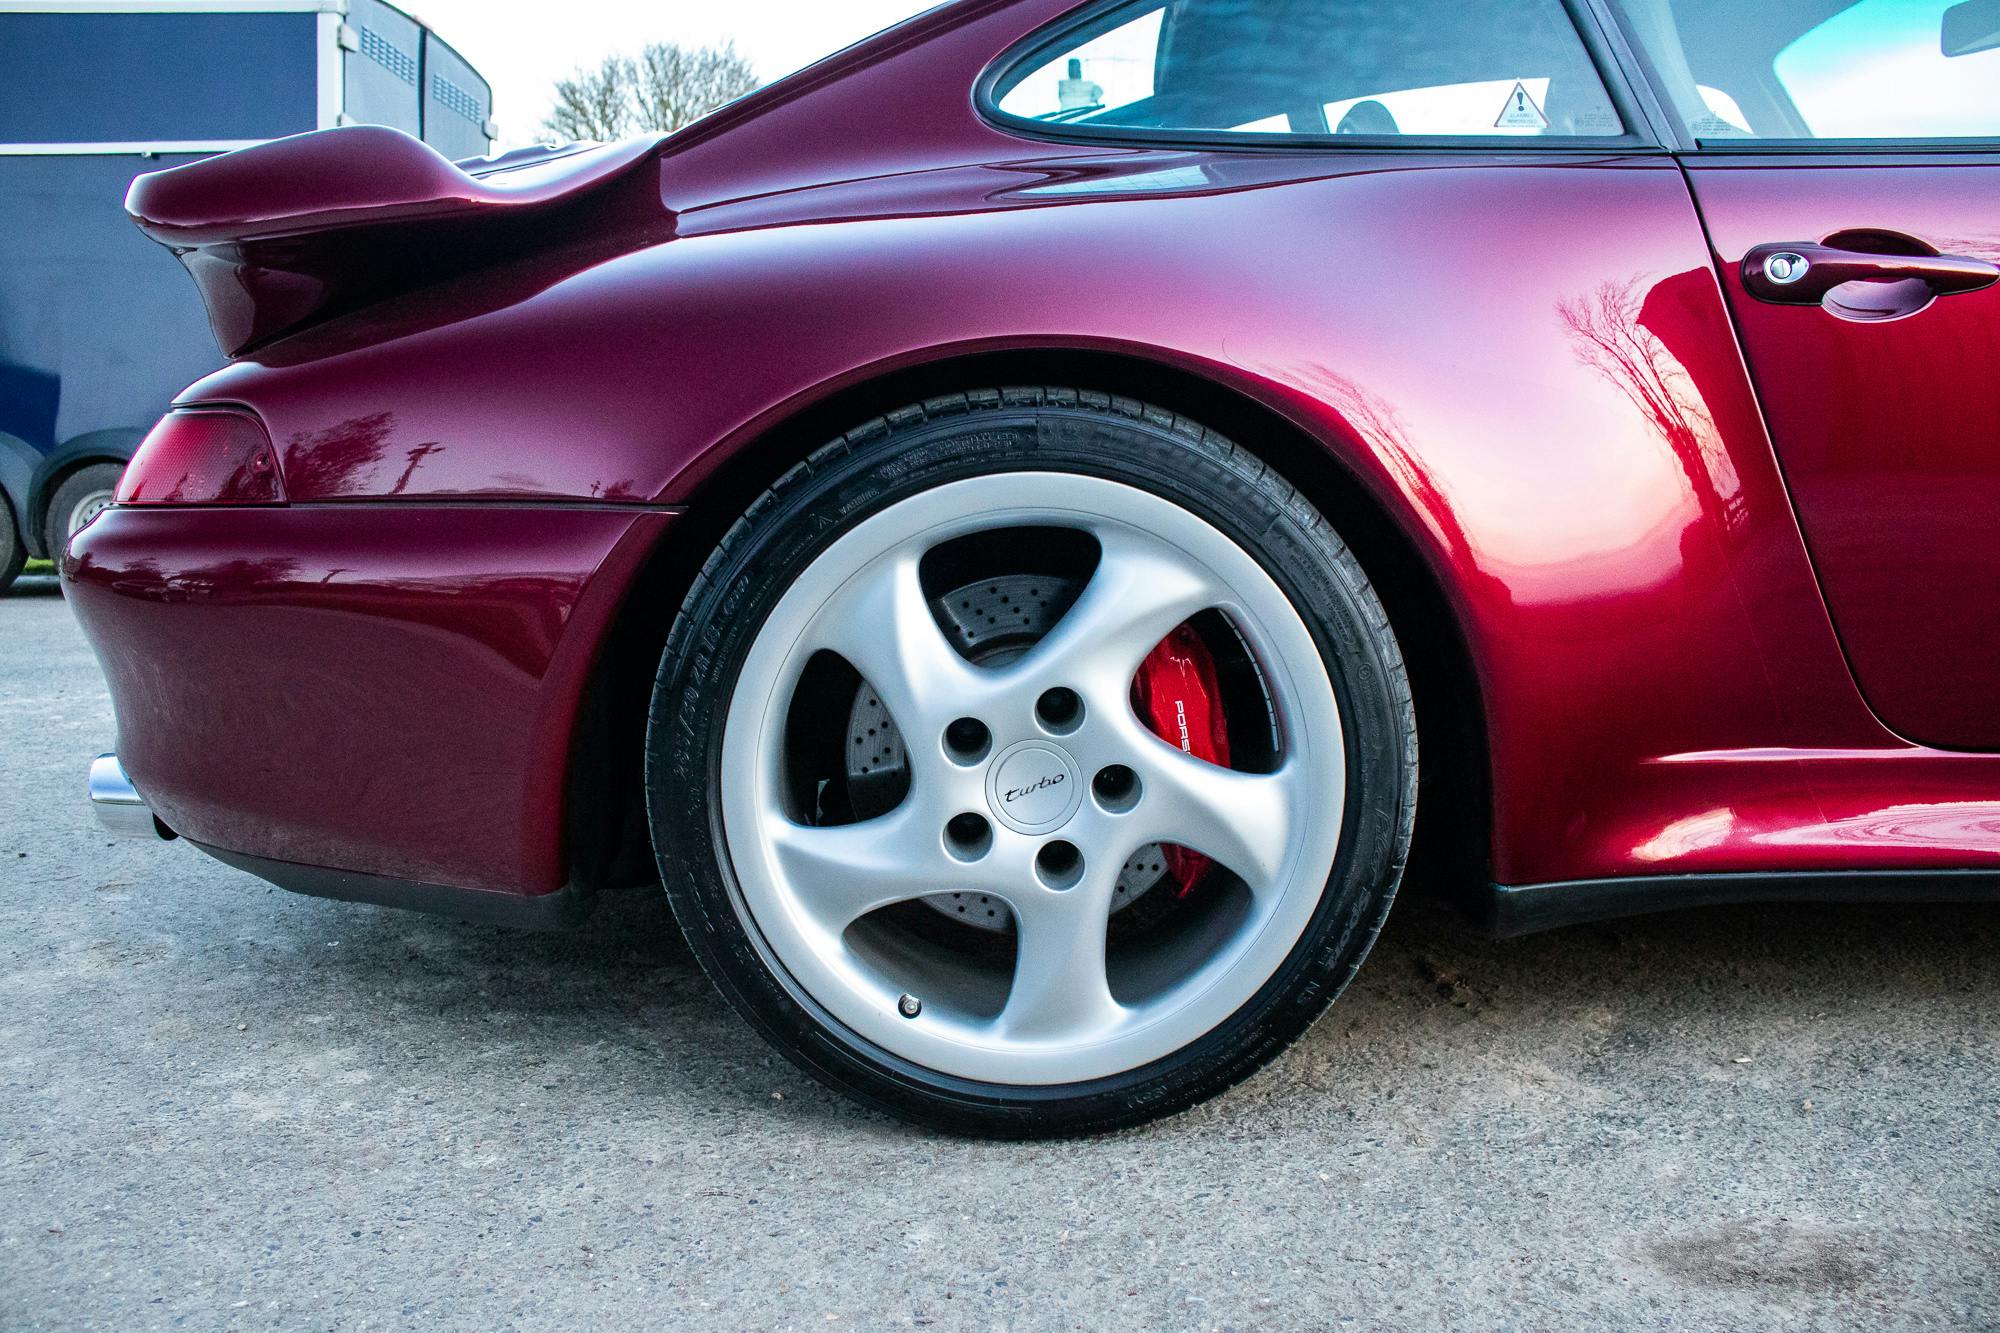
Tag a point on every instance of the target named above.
point(967, 740)
point(968, 836)
point(1116, 788)
point(1060, 864)
point(1059, 710)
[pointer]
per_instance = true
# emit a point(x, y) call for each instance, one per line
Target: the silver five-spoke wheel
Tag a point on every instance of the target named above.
point(1031, 761)
point(1022, 816)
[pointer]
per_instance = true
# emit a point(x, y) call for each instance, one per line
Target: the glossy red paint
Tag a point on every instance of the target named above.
point(312, 183)
point(1527, 361)
point(384, 689)
point(1889, 430)
point(270, 234)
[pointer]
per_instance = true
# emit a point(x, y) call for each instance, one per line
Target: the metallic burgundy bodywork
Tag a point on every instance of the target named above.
point(361, 688)
point(1889, 433)
point(1529, 362)
point(279, 233)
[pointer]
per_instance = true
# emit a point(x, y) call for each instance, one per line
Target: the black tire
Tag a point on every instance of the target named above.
point(960, 436)
point(13, 555)
point(94, 479)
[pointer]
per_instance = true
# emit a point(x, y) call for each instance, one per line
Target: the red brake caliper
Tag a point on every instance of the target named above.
point(1177, 695)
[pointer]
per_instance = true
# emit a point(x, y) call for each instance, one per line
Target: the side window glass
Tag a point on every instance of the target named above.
point(1866, 69)
point(1454, 68)
point(1879, 69)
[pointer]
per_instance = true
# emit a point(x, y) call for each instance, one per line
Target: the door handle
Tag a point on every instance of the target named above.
point(1802, 273)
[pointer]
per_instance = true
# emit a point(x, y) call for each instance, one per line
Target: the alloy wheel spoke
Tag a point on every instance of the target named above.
point(1245, 821)
point(1142, 588)
point(845, 871)
point(881, 623)
point(1060, 987)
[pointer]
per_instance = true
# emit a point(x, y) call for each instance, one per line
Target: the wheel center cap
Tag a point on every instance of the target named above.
point(1033, 787)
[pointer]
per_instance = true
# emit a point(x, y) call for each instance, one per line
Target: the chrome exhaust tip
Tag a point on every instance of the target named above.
point(120, 807)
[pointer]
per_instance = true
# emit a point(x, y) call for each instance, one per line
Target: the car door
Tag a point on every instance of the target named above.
point(1846, 160)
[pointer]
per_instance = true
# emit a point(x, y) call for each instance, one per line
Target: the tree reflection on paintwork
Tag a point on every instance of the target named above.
point(1618, 332)
point(336, 460)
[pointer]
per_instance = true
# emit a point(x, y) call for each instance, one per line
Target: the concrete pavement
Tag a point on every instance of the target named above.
point(226, 1106)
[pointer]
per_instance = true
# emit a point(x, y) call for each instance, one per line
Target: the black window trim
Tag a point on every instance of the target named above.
point(1605, 45)
point(1640, 62)
point(1706, 148)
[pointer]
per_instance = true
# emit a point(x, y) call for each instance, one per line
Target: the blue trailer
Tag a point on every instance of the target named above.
point(97, 328)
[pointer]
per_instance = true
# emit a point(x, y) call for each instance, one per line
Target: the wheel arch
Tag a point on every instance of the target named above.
point(1454, 822)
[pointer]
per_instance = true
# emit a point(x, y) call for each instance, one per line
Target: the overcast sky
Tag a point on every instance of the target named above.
point(524, 46)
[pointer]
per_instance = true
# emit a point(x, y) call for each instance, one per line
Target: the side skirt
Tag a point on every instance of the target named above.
point(1526, 908)
point(546, 911)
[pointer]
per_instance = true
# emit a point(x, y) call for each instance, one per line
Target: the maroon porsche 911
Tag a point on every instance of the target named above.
point(1025, 527)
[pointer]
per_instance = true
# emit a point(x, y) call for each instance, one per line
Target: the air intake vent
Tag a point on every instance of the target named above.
point(454, 98)
point(386, 54)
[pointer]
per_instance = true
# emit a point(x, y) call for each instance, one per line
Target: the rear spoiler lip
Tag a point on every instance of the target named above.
point(287, 234)
point(225, 199)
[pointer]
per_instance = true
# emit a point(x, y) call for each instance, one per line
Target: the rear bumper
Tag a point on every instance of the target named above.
point(123, 811)
point(119, 806)
point(381, 691)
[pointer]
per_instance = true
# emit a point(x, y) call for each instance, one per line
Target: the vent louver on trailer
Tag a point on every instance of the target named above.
point(285, 234)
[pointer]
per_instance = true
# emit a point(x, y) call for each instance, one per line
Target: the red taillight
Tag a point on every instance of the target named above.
point(203, 458)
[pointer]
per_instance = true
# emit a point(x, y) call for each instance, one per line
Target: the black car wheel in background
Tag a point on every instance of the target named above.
point(82, 496)
point(13, 554)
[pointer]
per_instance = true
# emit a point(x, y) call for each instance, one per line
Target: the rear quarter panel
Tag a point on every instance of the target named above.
point(1526, 360)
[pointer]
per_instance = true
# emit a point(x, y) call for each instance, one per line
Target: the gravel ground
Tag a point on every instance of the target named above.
point(230, 1107)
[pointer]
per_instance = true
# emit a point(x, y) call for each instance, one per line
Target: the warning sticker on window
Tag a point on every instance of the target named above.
point(1521, 113)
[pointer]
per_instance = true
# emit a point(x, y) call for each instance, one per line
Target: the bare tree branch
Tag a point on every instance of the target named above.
point(665, 87)
point(678, 86)
point(595, 104)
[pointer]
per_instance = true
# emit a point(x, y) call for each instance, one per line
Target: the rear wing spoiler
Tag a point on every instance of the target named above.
point(285, 234)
